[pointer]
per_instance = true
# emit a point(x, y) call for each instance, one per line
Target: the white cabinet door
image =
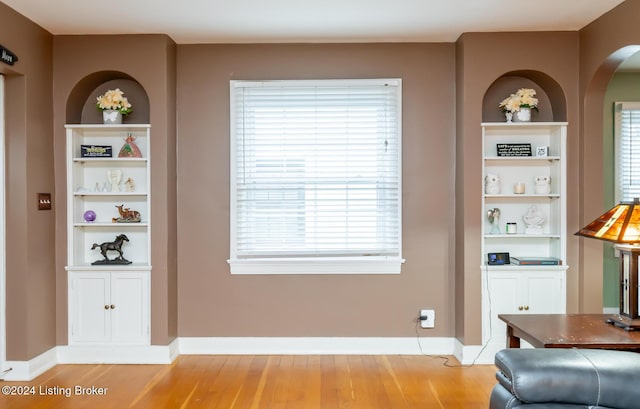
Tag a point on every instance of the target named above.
point(544, 293)
point(504, 298)
point(129, 308)
point(109, 308)
point(89, 315)
point(523, 292)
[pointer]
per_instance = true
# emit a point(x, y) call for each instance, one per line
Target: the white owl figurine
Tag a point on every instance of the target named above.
point(492, 184)
point(542, 185)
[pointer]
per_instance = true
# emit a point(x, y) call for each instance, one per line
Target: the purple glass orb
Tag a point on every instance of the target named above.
point(89, 215)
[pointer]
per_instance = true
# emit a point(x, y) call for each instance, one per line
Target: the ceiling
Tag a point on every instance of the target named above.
point(287, 21)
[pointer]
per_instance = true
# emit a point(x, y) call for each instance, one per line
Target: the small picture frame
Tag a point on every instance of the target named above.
point(542, 151)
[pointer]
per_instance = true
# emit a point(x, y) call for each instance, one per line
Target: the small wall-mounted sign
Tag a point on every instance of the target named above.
point(6, 56)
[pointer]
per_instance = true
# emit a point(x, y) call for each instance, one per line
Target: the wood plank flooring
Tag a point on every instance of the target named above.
point(257, 382)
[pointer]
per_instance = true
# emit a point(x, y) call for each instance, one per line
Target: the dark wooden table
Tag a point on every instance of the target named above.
point(568, 331)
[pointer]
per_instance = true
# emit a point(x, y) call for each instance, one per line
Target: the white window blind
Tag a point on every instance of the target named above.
point(315, 178)
point(627, 147)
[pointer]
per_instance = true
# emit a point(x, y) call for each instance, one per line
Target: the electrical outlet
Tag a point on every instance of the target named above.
point(427, 318)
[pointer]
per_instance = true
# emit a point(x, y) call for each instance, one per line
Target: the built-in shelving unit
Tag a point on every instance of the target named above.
point(513, 288)
point(108, 303)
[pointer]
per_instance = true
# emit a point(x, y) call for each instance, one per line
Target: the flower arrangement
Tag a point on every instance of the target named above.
point(523, 98)
point(114, 99)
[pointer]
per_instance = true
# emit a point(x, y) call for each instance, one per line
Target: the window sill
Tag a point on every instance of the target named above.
point(358, 265)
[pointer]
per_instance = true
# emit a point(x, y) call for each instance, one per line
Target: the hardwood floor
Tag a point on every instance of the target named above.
point(256, 382)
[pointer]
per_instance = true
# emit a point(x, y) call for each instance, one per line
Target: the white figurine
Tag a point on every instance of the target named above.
point(533, 219)
point(492, 184)
point(114, 176)
point(129, 186)
point(542, 185)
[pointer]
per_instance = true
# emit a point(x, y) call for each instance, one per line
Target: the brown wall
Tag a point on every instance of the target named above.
point(30, 276)
point(214, 303)
point(482, 58)
point(150, 60)
point(444, 86)
point(604, 44)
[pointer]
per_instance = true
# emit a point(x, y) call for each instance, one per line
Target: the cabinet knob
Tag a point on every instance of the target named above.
point(526, 307)
point(106, 307)
point(520, 308)
point(113, 307)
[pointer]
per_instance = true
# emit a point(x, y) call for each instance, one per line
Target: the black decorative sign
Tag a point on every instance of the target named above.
point(95, 151)
point(7, 56)
point(514, 149)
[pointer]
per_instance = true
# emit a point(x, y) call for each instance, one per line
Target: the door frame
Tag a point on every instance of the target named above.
point(3, 264)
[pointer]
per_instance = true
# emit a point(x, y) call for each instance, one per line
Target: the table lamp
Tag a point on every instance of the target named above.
point(621, 225)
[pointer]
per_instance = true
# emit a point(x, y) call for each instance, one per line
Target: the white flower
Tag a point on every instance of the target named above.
point(523, 98)
point(114, 99)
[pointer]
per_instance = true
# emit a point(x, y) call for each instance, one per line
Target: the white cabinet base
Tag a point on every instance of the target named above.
point(508, 290)
point(109, 308)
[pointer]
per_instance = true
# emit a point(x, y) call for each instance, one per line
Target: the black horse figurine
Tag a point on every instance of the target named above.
point(115, 245)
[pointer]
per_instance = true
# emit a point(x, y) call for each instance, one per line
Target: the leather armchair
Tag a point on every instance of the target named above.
point(566, 379)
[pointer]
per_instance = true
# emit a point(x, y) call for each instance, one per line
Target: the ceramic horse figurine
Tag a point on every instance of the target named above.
point(115, 245)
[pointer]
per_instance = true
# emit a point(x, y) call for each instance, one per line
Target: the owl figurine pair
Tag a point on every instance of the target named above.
point(493, 185)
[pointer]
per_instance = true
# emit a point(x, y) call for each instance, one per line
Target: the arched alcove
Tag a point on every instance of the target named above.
point(81, 105)
point(552, 106)
point(598, 270)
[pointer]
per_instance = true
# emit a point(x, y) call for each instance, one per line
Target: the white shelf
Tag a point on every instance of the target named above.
point(522, 196)
point(516, 267)
point(87, 174)
point(521, 236)
point(112, 267)
point(112, 159)
point(117, 225)
point(519, 159)
point(516, 125)
point(514, 288)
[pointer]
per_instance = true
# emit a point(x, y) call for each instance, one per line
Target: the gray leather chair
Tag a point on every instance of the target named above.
point(566, 379)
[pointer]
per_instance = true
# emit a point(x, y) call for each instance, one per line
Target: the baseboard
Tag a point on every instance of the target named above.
point(121, 354)
point(166, 354)
point(27, 370)
point(315, 346)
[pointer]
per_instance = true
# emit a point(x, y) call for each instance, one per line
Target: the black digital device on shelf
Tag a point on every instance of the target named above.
point(498, 259)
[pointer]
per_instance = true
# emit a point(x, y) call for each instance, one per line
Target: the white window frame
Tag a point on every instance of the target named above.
point(621, 149)
point(330, 264)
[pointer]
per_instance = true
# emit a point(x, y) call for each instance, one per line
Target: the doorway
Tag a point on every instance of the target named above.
point(3, 326)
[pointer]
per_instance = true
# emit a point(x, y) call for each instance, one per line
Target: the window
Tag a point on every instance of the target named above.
point(627, 148)
point(315, 176)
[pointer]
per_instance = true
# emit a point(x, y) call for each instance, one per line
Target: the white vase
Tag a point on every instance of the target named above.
point(523, 115)
point(111, 117)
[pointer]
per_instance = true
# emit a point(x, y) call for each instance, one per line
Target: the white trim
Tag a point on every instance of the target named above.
point(611, 310)
point(116, 354)
point(477, 354)
point(316, 346)
point(166, 354)
point(370, 265)
point(28, 370)
point(3, 292)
